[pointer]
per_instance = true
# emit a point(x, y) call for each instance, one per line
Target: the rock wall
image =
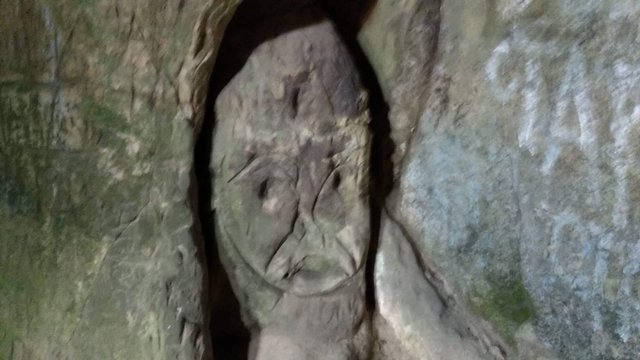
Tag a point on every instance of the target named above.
point(511, 230)
point(518, 187)
point(97, 251)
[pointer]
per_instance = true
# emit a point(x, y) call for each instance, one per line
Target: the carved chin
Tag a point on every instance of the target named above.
point(311, 275)
point(306, 272)
point(313, 282)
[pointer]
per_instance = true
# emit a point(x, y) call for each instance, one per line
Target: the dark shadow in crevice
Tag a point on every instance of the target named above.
point(229, 338)
point(349, 17)
point(254, 23)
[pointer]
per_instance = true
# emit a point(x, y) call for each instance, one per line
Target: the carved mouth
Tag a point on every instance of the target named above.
point(310, 273)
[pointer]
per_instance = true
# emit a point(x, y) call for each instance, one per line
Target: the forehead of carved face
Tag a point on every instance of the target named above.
point(290, 162)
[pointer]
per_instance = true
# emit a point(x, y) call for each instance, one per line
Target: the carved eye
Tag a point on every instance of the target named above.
point(295, 101)
point(330, 208)
point(263, 189)
point(336, 180)
point(276, 195)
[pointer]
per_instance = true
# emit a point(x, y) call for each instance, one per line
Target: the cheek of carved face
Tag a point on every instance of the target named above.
point(259, 207)
point(294, 222)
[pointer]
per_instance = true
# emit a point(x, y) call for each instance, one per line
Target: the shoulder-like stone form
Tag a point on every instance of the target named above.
point(290, 155)
point(423, 323)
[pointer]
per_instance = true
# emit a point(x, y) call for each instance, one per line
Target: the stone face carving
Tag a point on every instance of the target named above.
point(290, 159)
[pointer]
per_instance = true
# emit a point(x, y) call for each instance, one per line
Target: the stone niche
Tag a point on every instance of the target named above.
point(290, 152)
point(300, 152)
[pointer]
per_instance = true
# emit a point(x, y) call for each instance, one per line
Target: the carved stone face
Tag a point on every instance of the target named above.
point(290, 163)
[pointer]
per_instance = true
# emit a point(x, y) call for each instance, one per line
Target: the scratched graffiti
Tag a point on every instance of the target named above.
point(557, 115)
point(557, 91)
point(582, 253)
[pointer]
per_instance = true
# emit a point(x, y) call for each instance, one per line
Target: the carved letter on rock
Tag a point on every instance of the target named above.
point(290, 167)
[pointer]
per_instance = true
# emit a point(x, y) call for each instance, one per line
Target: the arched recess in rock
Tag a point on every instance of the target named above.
point(229, 337)
point(396, 69)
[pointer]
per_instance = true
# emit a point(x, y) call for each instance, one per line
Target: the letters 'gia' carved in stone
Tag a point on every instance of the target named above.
point(290, 164)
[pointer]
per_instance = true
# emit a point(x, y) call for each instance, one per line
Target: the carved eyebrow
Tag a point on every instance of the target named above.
point(244, 168)
point(256, 161)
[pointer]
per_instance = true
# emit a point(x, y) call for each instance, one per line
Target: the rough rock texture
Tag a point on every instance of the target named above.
point(290, 163)
point(519, 184)
point(511, 231)
point(97, 254)
point(400, 40)
point(420, 314)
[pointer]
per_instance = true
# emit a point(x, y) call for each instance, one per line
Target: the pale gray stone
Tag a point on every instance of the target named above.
point(519, 184)
point(290, 154)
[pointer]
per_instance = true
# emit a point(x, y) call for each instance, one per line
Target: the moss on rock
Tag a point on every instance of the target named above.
point(506, 303)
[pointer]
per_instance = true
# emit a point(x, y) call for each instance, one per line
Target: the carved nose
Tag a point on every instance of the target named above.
point(310, 230)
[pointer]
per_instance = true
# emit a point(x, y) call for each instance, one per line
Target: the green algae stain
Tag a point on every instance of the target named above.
point(102, 116)
point(38, 292)
point(7, 337)
point(506, 304)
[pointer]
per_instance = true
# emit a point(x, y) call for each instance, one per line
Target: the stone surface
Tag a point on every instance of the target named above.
point(97, 257)
point(290, 158)
point(400, 39)
point(511, 232)
point(417, 312)
point(519, 184)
